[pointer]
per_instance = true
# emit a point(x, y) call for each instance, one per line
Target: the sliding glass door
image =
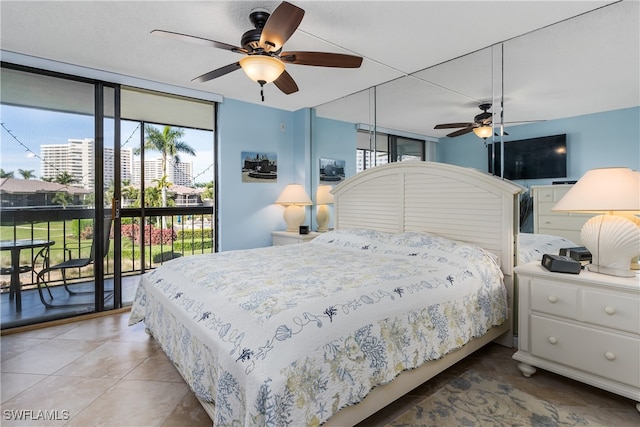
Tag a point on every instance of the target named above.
point(167, 199)
point(52, 195)
point(116, 180)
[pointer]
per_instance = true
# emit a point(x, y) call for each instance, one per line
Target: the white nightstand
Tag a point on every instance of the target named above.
point(290, 237)
point(584, 326)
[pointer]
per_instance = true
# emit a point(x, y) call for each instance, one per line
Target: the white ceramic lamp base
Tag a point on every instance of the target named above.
point(613, 241)
point(322, 218)
point(294, 217)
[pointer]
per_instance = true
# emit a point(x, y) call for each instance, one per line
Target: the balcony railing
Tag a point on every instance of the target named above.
point(167, 233)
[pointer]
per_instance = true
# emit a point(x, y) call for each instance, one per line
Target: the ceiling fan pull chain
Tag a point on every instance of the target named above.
point(262, 82)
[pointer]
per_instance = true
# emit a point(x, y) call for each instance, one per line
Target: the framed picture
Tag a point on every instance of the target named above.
point(259, 167)
point(331, 170)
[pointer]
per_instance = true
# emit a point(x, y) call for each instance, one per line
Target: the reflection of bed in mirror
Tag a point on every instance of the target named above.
point(531, 247)
point(392, 222)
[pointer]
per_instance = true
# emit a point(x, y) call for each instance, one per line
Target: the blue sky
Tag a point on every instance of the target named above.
point(24, 130)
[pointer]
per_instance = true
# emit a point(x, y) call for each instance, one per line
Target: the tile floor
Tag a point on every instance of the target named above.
point(101, 372)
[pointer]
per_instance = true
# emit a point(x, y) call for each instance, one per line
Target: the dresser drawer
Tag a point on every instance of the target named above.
point(562, 222)
point(612, 310)
point(597, 352)
point(548, 194)
point(553, 298)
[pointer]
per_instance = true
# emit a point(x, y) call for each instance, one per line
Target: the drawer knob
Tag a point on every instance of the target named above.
point(552, 340)
point(610, 356)
point(547, 222)
point(552, 299)
point(609, 310)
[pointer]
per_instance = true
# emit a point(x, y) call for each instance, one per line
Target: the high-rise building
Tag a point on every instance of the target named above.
point(178, 173)
point(76, 158)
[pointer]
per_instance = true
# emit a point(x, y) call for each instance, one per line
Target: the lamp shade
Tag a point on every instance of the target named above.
point(262, 68)
point(483, 131)
point(614, 237)
point(323, 195)
point(293, 195)
point(603, 190)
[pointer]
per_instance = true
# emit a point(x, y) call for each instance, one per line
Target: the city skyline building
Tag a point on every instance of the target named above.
point(76, 158)
point(178, 173)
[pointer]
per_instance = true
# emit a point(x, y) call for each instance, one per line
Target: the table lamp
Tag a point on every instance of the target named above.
point(323, 198)
point(294, 198)
point(614, 237)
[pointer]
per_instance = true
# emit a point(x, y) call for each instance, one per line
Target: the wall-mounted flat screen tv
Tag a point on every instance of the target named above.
point(534, 158)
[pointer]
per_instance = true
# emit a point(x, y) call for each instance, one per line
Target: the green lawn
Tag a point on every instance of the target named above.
point(57, 231)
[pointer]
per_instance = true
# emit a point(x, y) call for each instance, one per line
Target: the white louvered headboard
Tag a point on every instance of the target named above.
point(452, 201)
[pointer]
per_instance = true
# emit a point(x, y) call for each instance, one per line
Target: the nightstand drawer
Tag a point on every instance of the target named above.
point(597, 352)
point(279, 238)
point(612, 310)
point(551, 298)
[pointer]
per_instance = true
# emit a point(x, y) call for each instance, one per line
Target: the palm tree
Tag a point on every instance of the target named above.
point(26, 174)
point(65, 178)
point(4, 174)
point(208, 191)
point(168, 142)
point(62, 198)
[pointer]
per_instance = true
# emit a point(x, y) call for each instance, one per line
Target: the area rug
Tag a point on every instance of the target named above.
point(472, 400)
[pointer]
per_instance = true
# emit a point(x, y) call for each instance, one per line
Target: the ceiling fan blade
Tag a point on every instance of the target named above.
point(198, 40)
point(322, 59)
point(460, 132)
point(453, 125)
point(282, 23)
point(286, 83)
point(217, 73)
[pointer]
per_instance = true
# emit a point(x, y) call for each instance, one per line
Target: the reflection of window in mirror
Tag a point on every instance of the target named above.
point(406, 149)
point(372, 149)
point(388, 148)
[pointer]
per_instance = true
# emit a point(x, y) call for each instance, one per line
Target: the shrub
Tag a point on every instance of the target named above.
point(165, 256)
point(200, 234)
point(152, 235)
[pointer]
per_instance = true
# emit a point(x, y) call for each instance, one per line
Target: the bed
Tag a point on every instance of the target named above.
point(531, 247)
point(417, 275)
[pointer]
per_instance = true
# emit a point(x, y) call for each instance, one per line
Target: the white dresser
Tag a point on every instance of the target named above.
point(289, 237)
point(584, 326)
point(564, 224)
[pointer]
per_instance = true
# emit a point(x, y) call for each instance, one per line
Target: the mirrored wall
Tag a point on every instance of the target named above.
point(579, 77)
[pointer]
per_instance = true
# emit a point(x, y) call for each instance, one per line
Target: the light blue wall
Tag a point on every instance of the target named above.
point(246, 212)
point(331, 139)
point(596, 140)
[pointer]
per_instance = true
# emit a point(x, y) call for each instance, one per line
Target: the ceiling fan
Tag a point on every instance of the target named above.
point(481, 125)
point(264, 61)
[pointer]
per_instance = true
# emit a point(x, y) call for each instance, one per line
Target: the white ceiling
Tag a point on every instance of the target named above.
point(561, 58)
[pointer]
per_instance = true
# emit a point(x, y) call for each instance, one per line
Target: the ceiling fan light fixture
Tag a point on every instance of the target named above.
point(262, 68)
point(483, 132)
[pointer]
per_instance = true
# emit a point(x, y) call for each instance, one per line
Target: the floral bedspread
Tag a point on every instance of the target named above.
point(288, 335)
point(531, 247)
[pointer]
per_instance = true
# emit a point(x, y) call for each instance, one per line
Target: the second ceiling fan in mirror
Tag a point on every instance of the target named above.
point(264, 61)
point(482, 124)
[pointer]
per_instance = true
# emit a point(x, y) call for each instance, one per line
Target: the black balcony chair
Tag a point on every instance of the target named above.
point(7, 271)
point(43, 257)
